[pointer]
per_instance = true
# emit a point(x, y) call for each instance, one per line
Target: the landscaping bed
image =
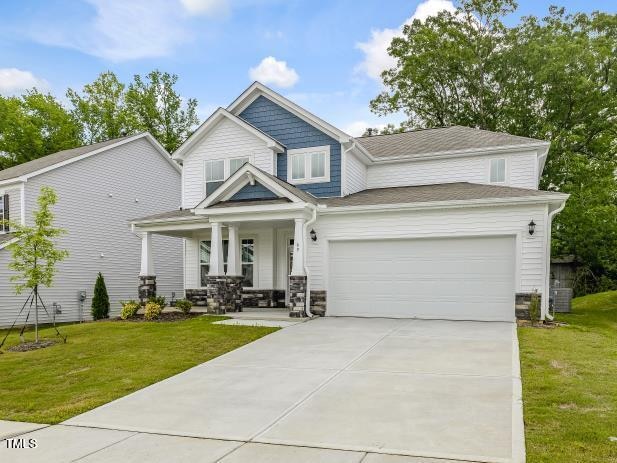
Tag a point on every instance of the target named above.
point(570, 384)
point(106, 360)
point(163, 317)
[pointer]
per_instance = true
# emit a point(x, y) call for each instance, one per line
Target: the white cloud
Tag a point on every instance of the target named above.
point(272, 71)
point(213, 8)
point(121, 30)
point(376, 57)
point(13, 80)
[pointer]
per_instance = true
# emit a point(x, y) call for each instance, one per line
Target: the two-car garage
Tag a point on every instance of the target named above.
point(463, 278)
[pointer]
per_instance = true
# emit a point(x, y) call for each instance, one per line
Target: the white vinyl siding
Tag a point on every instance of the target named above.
point(355, 177)
point(226, 141)
point(97, 197)
point(499, 220)
point(520, 169)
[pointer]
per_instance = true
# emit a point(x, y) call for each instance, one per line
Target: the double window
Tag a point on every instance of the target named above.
point(247, 253)
point(218, 170)
point(4, 213)
point(497, 173)
point(309, 165)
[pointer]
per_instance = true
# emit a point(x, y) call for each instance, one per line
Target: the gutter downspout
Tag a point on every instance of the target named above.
point(307, 297)
point(549, 225)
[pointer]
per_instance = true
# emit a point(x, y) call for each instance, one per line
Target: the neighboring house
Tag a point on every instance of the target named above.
point(281, 207)
point(99, 188)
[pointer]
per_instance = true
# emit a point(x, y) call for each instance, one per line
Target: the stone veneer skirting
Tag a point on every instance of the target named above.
point(221, 294)
point(297, 296)
point(271, 298)
point(318, 302)
point(522, 302)
point(146, 288)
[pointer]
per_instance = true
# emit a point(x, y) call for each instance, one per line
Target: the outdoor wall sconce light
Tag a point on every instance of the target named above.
point(313, 235)
point(532, 227)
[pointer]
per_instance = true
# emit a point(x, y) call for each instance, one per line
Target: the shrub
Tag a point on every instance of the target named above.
point(160, 300)
point(152, 311)
point(184, 305)
point(534, 307)
point(129, 309)
point(100, 300)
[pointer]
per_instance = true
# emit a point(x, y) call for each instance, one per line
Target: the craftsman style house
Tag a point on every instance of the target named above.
point(280, 208)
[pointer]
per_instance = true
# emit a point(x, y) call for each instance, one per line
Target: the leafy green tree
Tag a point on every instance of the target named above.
point(100, 299)
point(156, 107)
point(553, 78)
point(34, 125)
point(101, 108)
point(34, 255)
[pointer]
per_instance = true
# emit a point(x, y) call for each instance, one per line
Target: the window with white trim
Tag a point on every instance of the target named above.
point(497, 171)
point(309, 165)
point(235, 164)
point(4, 213)
point(247, 254)
point(215, 174)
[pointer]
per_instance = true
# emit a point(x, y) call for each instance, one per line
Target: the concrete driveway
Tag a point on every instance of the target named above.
point(332, 389)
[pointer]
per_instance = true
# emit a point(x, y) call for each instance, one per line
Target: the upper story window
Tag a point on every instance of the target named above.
point(309, 165)
point(497, 172)
point(4, 213)
point(217, 170)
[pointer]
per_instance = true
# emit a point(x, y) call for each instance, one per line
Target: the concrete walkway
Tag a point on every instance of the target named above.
point(334, 389)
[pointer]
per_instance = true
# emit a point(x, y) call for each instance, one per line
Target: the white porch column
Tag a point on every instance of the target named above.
point(147, 263)
point(297, 268)
point(216, 251)
point(234, 263)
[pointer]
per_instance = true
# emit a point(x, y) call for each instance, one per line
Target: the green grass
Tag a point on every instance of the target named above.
point(570, 384)
point(105, 360)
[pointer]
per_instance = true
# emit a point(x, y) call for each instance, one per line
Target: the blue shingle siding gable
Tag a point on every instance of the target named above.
point(257, 191)
point(294, 133)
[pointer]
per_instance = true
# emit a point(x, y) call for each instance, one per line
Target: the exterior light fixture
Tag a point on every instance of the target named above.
point(532, 227)
point(313, 235)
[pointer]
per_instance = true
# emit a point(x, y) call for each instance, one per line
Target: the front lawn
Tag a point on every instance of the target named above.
point(570, 384)
point(106, 360)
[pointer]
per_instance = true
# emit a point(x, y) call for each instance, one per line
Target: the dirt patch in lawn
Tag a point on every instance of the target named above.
point(164, 317)
point(546, 324)
point(28, 346)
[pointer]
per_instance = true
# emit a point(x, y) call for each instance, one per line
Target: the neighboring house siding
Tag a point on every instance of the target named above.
point(470, 221)
point(226, 140)
point(520, 171)
point(257, 191)
point(140, 182)
point(294, 133)
point(355, 174)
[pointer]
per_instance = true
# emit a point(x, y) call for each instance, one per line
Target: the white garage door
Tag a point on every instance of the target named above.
point(448, 278)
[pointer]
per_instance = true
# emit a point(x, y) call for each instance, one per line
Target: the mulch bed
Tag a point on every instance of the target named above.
point(548, 325)
point(28, 346)
point(164, 317)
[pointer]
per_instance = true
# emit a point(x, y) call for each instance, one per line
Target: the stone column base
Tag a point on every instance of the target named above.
point(297, 296)
point(146, 288)
point(224, 294)
point(318, 302)
point(522, 302)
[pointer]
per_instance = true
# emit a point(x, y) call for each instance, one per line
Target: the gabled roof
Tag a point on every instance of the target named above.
point(249, 174)
point(257, 89)
point(216, 117)
point(442, 140)
point(61, 158)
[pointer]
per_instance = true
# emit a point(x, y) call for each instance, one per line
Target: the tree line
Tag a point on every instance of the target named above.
point(35, 124)
point(552, 79)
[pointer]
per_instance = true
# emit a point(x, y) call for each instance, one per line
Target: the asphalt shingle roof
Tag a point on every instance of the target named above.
point(437, 140)
point(430, 193)
point(54, 158)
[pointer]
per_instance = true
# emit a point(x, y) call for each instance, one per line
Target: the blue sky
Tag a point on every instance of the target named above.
point(324, 55)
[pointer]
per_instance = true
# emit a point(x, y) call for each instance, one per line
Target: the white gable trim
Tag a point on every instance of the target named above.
point(209, 124)
point(159, 148)
point(257, 89)
point(243, 176)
